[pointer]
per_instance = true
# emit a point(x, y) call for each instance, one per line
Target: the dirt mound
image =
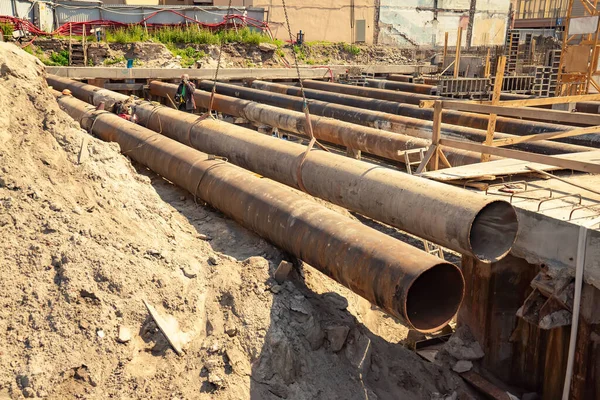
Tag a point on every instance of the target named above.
point(87, 238)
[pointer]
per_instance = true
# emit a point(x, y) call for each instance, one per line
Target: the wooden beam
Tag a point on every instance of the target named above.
point(542, 101)
point(486, 72)
point(546, 136)
point(457, 55)
point(541, 114)
point(430, 152)
point(491, 128)
point(436, 131)
point(445, 57)
point(524, 156)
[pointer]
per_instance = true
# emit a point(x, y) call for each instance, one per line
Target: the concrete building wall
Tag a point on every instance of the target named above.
point(411, 22)
point(328, 20)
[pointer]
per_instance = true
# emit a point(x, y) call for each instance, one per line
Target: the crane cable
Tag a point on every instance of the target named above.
point(308, 125)
point(214, 88)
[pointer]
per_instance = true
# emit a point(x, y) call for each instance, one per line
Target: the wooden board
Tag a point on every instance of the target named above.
point(503, 167)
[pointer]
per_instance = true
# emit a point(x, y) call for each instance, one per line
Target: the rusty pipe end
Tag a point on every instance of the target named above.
point(434, 297)
point(493, 231)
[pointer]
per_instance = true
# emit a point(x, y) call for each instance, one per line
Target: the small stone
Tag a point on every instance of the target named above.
point(23, 381)
point(83, 324)
point(188, 272)
point(216, 380)
point(462, 366)
point(213, 260)
point(55, 207)
point(212, 364)
point(202, 236)
point(282, 271)
point(82, 374)
point(182, 198)
point(276, 289)
point(100, 333)
point(153, 252)
point(338, 301)
point(124, 334)
point(230, 329)
point(336, 335)
point(28, 392)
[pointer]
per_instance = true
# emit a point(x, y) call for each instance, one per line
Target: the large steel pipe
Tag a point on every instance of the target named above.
point(507, 125)
point(473, 120)
point(461, 220)
point(401, 86)
point(369, 140)
point(421, 290)
point(390, 122)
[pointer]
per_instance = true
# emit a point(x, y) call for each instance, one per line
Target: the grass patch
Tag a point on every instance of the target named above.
point(188, 55)
point(7, 29)
point(113, 60)
point(350, 48)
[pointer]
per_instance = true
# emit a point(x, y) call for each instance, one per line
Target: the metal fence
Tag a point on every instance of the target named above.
point(82, 11)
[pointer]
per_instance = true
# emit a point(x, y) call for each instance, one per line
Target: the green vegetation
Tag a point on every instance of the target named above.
point(113, 60)
point(350, 48)
point(7, 29)
point(188, 55)
point(189, 35)
point(58, 59)
point(300, 52)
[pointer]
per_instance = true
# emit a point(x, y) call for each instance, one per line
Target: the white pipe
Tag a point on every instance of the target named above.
point(579, 266)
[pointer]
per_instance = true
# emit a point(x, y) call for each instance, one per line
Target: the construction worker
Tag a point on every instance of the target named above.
point(184, 99)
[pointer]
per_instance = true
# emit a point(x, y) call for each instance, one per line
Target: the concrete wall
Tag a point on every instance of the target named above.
point(411, 22)
point(328, 20)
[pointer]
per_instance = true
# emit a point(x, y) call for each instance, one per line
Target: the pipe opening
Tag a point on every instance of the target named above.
point(493, 231)
point(434, 297)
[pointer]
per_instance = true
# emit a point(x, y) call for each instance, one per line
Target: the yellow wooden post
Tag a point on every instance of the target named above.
point(444, 58)
point(491, 128)
point(487, 64)
point(457, 55)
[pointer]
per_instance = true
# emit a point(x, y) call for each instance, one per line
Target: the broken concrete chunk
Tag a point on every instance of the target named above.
point(282, 271)
point(336, 335)
point(216, 380)
point(462, 366)
point(314, 334)
point(266, 47)
point(463, 346)
point(125, 334)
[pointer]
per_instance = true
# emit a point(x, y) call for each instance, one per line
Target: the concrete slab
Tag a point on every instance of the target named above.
point(225, 73)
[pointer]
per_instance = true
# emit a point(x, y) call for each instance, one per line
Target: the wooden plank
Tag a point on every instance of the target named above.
point(541, 114)
point(488, 65)
point(546, 136)
point(430, 152)
point(436, 131)
point(501, 167)
point(521, 155)
point(491, 128)
point(445, 57)
point(457, 55)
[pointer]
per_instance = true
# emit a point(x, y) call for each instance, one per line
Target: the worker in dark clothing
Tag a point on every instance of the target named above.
point(184, 99)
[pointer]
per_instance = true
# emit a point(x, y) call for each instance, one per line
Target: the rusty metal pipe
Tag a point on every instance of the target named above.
point(390, 122)
point(400, 78)
point(452, 217)
point(369, 140)
point(513, 126)
point(421, 290)
point(465, 119)
point(401, 86)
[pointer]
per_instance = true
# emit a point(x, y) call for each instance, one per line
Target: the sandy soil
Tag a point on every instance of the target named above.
point(88, 236)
